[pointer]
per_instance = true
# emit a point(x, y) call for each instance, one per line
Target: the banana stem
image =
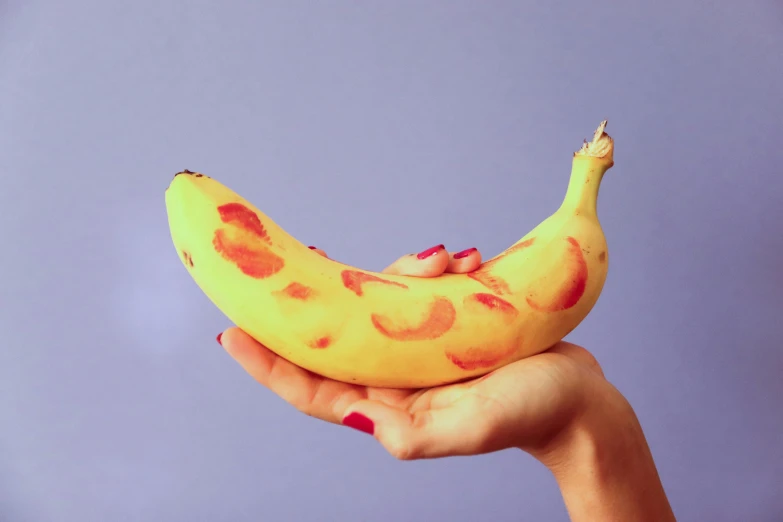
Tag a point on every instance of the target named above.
point(587, 170)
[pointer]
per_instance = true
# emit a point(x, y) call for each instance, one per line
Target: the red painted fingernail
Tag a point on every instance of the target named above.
point(359, 422)
point(430, 252)
point(218, 338)
point(311, 247)
point(464, 253)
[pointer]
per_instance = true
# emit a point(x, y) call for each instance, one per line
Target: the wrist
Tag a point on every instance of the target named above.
point(603, 465)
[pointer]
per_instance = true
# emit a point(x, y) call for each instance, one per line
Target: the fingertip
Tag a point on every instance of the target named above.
point(231, 334)
point(236, 342)
point(465, 253)
point(226, 337)
point(421, 434)
point(430, 252)
point(464, 261)
point(360, 422)
point(431, 262)
point(318, 251)
point(388, 425)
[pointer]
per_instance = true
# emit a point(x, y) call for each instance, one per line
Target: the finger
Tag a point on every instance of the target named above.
point(319, 251)
point(579, 354)
point(266, 367)
point(464, 261)
point(306, 391)
point(428, 263)
point(423, 434)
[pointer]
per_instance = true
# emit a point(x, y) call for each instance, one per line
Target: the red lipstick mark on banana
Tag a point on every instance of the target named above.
point(321, 342)
point(483, 274)
point(475, 358)
point(572, 289)
point(438, 320)
point(245, 242)
point(502, 313)
point(492, 302)
point(297, 291)
point(354, 280)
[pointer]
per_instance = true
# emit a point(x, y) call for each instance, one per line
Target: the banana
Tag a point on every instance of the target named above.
point(368, 328)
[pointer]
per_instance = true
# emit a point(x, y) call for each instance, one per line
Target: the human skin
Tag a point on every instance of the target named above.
point(557, 406)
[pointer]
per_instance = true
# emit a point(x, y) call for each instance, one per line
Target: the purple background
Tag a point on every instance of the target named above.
point(373, 129)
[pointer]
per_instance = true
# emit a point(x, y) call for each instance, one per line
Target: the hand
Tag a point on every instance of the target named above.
point(556, 405)
point(525, 404)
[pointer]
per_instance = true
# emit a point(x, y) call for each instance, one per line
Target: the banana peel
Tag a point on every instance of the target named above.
point(369, 328)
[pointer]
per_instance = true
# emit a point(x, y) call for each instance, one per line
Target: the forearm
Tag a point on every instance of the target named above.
point(605, 469)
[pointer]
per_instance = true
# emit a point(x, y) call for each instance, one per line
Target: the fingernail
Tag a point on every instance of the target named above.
point(464, 253)
point(218, 338)
point(311, 247)
point(430, 252)
point(359, 422)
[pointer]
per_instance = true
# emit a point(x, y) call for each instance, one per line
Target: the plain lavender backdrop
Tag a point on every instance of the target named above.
point(373, 129)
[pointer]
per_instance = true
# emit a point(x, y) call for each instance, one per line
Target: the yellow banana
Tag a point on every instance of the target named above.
point(374, 329)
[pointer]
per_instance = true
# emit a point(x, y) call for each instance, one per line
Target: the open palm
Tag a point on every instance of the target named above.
point(523, 404)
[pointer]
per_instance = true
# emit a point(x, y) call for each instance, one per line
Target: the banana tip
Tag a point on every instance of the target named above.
point(191, 173)
point(602, 145)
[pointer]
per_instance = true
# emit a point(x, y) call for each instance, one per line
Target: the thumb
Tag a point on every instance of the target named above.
point(431, 433)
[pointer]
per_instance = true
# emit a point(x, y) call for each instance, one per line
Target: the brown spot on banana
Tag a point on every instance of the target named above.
point(187, 258)
point(438, 320)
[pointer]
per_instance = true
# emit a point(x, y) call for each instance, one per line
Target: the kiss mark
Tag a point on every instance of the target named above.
point(502, 313)
point(483, 274)
point(239, 215)
point(353, 281)
point(439, 320)
point(495, 283)
point(297, 291)
point(521, 245)
point(321, 343)
point(253, 260)
point(477, 358)
point(572, 289)
point(245, 242)
point(492, 302)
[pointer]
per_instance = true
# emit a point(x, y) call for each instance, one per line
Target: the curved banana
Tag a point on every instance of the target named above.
point(369, 328)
